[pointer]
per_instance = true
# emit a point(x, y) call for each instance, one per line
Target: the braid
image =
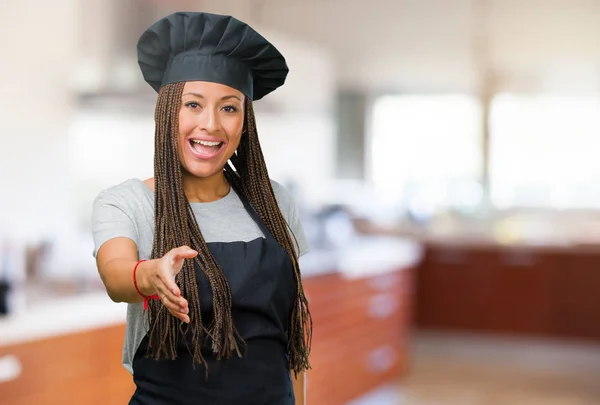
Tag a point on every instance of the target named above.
point(253, 180)
point(176, 225)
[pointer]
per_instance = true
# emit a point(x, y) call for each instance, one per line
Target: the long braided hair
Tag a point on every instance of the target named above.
point(175, 225)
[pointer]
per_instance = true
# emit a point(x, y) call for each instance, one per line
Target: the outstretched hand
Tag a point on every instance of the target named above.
point(163, 281)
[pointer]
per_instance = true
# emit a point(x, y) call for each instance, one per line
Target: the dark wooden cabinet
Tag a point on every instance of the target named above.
point(576, 295)
point(519, 291)
point(452, 290)
point(539, 291)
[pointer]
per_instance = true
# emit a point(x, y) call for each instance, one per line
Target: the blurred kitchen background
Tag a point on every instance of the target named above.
point(444, 156)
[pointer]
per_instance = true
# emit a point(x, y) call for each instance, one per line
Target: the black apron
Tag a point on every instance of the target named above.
point(260, 275)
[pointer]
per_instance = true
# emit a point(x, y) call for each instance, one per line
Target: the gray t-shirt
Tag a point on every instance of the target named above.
point(127, 210)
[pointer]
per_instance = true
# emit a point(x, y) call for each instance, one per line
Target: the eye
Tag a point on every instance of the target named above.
point(230, 108)
point(192, 104)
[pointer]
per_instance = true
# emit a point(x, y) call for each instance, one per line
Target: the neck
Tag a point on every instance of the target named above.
point(207, 189)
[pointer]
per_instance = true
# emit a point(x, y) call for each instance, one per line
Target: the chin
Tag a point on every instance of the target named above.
point(203, 171)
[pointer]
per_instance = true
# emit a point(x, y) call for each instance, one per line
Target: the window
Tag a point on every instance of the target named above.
point(542, 151)
point(426, 151)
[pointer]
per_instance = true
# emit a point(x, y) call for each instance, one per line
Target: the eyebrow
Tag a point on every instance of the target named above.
point(222, 98)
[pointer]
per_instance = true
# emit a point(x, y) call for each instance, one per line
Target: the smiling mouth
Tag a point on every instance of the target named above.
point(205, 148)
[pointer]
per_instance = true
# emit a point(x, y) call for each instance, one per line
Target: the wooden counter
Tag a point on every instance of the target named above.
point(543, 291)
point(81, 368)
point(358, 345)
point(360, 331)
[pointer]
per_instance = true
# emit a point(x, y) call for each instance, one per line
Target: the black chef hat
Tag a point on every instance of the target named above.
point(188, 46)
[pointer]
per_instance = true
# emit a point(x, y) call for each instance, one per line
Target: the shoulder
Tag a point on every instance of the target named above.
point(123, 193)
point(125, 188)
point(122, 210)
point(131, 199)
point(281, 193)
point(287, 205)
point(284, 199)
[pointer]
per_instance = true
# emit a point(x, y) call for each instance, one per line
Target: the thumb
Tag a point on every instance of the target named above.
point(177, 256)
point(184, 252)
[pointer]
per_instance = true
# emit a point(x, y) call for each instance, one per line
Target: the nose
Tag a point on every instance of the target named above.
point(210, 122)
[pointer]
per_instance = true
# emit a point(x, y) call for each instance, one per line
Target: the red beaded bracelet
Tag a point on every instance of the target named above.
point(146, 298)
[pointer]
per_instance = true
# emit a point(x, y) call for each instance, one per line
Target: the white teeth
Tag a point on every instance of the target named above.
point(206, 143)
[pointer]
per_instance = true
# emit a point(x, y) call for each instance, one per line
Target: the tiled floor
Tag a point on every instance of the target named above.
point(473, 370)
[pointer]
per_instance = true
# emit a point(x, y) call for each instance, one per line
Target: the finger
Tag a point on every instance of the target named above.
point(171, 305)
point(185, 318)
point(177, 305)
point(168, 285)
point(173, 302)
point(177, 256)
point(175, 309)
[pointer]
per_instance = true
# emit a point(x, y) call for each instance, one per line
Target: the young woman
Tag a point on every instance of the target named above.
point(206, 252)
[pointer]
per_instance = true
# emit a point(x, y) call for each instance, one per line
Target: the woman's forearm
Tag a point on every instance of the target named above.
point(117, 275)
point(299, 383)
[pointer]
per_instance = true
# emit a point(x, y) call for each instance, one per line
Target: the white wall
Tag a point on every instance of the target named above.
point(37, 42)
point(296, 122)
point(427, 45)
point(421, 45)
point(311, 84)
point(299, 148)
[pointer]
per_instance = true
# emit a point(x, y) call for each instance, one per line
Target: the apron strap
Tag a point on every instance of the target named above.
point(261, 224)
